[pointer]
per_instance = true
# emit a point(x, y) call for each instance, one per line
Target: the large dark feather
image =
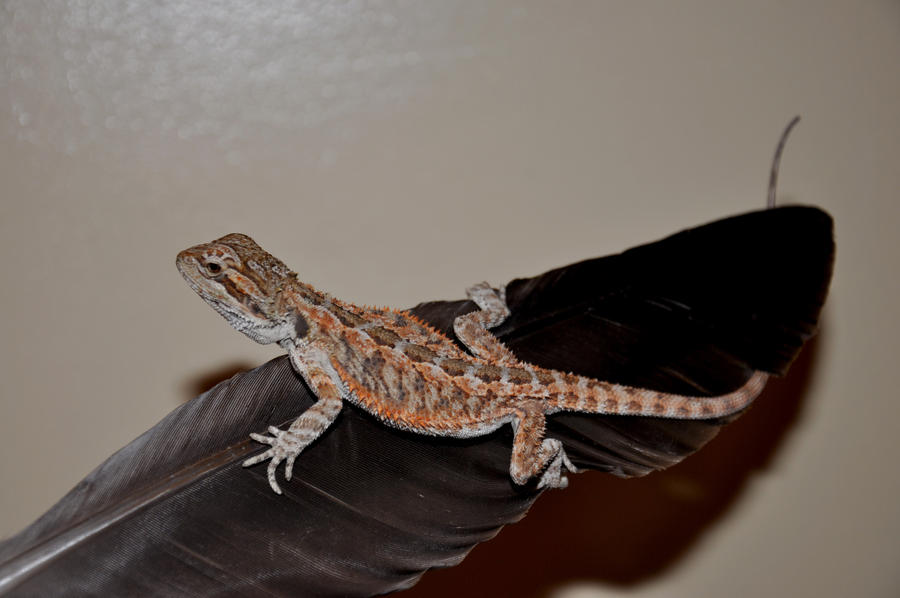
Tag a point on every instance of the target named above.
point(370, 508)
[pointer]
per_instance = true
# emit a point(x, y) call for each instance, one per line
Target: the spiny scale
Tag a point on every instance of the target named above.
point(409, 375)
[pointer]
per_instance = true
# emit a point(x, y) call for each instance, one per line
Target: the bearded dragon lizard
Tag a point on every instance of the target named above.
point(408, 375)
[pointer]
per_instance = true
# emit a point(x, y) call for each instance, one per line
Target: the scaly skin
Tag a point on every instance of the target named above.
point(408, 375)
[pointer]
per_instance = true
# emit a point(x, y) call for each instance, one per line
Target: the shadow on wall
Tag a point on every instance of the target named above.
point(200, 383)
point(619, 532)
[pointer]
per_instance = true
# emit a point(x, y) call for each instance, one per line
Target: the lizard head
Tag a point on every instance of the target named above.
point(242, 282)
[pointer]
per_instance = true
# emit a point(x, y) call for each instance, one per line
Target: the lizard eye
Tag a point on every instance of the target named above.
point(213, 268)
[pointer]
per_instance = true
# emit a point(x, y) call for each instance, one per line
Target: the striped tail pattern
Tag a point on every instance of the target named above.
point(593, 396)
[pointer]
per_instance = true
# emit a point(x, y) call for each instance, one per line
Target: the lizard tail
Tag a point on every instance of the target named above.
point(591, 396)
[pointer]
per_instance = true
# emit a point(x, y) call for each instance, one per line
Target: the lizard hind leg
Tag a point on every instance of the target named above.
point(472, 328)
point(533, 454)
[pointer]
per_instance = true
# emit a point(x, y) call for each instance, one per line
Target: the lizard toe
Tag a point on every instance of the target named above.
point(263, 438)
point(289, 466)
point(258, 458)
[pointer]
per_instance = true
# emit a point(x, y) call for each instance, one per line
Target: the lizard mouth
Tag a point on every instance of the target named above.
point(190, 271)
point(242, 318)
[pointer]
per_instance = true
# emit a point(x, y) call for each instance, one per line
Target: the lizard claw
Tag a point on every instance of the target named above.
point(485, 297)
point(555, 474)
point(263, 439)
point(491, 302)
point(285, 447)
point(289, 467)
point(479, 289)
point(271, 470)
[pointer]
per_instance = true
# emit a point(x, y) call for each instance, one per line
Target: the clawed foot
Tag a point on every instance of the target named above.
point(492, 303)
point(555, 474)
point(485, 297)
point(285, 447)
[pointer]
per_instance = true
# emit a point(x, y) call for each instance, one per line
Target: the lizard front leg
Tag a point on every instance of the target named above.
point(533, 454)
point(472, 328)
point(287, 444)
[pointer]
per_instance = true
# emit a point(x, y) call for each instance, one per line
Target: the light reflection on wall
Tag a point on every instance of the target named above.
point(135, 74)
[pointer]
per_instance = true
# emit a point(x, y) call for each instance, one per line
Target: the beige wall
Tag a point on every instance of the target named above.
point(397, 151)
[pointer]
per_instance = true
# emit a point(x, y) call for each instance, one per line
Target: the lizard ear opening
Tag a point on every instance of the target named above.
point(301, 326)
